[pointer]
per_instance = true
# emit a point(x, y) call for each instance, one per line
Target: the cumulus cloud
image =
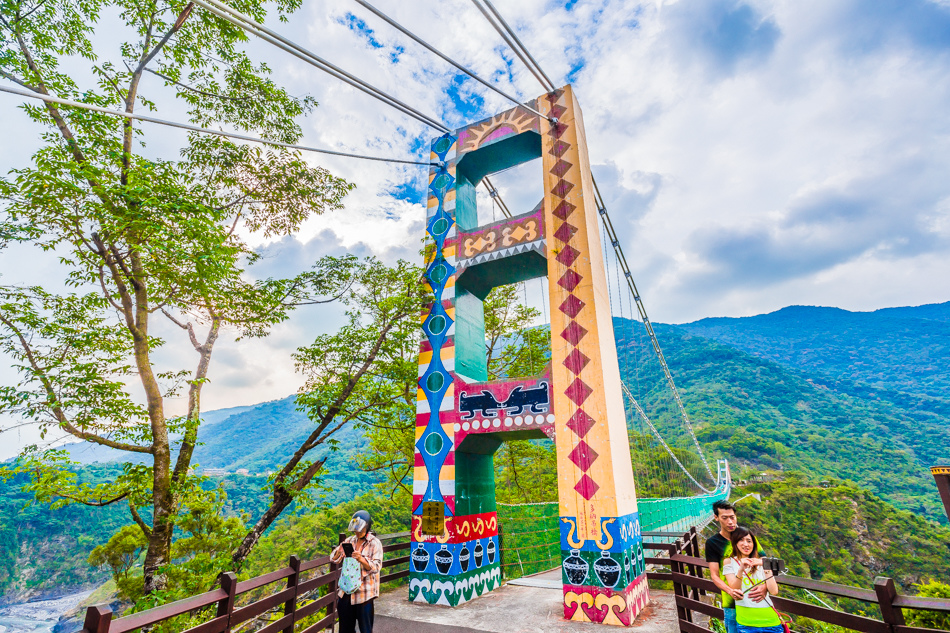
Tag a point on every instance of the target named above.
point(753, 153)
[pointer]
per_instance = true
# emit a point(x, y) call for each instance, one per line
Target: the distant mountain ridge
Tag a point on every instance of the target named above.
point(903, 349)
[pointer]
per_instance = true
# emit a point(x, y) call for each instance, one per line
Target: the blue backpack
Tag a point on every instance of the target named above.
point(351, 575)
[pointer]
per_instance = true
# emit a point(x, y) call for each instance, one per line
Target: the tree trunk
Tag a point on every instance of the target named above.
point(282, 499)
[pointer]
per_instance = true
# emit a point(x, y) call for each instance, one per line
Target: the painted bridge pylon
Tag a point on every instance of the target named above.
point(462, 418)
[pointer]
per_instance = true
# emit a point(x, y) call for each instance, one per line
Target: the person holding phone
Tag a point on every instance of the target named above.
point(367, 550)
point(744, 572)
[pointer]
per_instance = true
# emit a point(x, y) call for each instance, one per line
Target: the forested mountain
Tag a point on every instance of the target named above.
point(904, 350)
point(757, 395)
point(841, 533)
point(764, 414)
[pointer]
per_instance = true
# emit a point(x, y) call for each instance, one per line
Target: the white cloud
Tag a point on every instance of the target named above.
point(753, 154)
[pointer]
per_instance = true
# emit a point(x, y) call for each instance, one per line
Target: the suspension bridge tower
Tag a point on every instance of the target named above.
point(462, 418)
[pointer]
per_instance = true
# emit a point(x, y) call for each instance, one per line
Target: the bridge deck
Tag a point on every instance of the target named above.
point(510, 609)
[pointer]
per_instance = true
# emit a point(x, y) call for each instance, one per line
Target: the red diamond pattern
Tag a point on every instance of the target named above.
point(567, 255)
point(578, 391)
point(583, 455)
point(554, 96)
point(565, 232)
point(559, 147)
point(569, 280)
point(557, 111)
point(562, 188)
point(571, 306)
point(573, 333)
point(576, 361)
point(558, 129)
point(561, 167)
point(563, 210)
point(580, 423)
point(586, 487)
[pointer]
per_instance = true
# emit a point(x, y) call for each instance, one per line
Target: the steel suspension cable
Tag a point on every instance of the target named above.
point(524, 49)
point(514, 47)
point(495, 195)
point(445, 57)
point(659, 437)
point(247, 23)
point(515, 44)
point(648, 325)
point(192, 128)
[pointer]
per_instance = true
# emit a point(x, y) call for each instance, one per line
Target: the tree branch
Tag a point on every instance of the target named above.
point(95, 504)
point(12, 78)
point(52, 397)
point(195, 90)
point(140, 521)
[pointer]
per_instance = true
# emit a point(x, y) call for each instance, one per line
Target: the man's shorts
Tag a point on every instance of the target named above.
point(730, 619)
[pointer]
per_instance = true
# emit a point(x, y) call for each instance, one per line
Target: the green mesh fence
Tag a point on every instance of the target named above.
point(531, 535)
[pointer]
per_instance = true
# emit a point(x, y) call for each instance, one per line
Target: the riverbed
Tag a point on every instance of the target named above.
point(37, 617)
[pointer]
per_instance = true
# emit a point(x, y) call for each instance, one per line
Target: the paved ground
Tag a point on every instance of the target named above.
point(510, 609)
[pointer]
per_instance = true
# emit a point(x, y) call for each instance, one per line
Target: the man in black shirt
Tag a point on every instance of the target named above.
point(718, 547)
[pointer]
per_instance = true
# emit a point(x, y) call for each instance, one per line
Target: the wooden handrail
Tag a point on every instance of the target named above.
point(685, 572)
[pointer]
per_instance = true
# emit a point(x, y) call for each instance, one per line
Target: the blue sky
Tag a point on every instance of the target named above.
point(754, 154)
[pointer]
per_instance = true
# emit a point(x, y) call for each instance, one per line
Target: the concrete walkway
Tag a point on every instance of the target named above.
point(510, 609)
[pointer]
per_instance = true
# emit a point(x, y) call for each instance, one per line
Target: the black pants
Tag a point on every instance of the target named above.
point(350, 614)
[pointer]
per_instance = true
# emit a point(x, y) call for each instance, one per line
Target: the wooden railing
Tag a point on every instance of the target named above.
point(303, 597)
point(300, 598)
point(685, 571)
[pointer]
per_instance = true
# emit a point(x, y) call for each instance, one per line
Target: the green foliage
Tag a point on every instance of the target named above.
point(930, 619)
point(43, 550)
point(314, 534)
point(762, 416)
point(845, 534)
point(142, 239)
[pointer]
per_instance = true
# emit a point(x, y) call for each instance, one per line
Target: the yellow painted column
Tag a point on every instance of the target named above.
point(602, 551)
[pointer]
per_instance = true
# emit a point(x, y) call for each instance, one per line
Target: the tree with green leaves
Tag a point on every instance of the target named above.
point(364, 374)
point(513, 348)
point(143, 239)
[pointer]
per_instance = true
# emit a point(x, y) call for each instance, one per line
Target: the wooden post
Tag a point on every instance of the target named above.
point(226, 605)
point(886, 592)
point(694, 551)
point(290, 607)
point(678, 589)
point(98, 619)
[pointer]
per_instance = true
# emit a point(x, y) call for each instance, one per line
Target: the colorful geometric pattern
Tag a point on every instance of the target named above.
point(509, 123)
point(434, 444)
point(502, 239)
point(462, 418)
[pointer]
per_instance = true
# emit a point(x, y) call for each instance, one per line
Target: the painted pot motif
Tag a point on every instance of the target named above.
point(491, 552)
point(479, 551)
point(420, 559)
point(464, 558)
point(575, 568)
point(443, 560)
point(607, 569)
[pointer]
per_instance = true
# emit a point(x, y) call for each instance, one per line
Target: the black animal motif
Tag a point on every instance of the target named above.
point(485, 403)
point(519, 398)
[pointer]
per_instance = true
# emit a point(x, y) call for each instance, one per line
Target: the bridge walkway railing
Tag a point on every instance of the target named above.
point(684, 568)
point(309, 589)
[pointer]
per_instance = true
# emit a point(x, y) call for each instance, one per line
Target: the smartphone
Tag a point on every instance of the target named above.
point(347, 549)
